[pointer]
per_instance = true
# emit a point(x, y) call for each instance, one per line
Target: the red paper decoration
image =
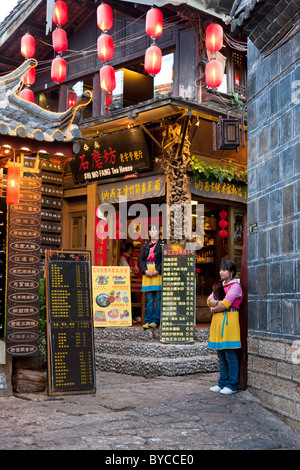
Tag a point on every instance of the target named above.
point(59, 40)
point(153, 58)
point(214, 73)
point(104, 17)
point(214, 37)
point(107, 78)
point(105, 47)
point(58, 69)
point(60, 14)
point(223, 215)
point(27, 95)
point(27, 46)
point(223, 233)
point(72, 98)
point(13, 185)
point(154, 23)
point(223, 223)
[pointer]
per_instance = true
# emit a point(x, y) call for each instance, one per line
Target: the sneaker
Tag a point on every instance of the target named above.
point(216, 388)
point(228, 391)
point(153, 325)
point(146, 326)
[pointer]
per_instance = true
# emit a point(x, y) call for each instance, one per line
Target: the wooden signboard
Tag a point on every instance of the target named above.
point(178, 296)
point(70, 335)
point(2, 263)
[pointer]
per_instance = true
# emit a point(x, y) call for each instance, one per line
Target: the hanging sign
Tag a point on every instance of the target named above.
point(214, 189)
point(111, 296)
point(133, 190)
point(23, 270)
point(117, 154)
point(178, 296)
point(2, 263)
point(70, 336)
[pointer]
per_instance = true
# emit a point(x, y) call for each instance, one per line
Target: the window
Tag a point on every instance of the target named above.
point(78, 230)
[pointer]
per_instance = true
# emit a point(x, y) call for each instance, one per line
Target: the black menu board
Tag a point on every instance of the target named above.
point(178, 296)
point(2, 263)
point(70, 334)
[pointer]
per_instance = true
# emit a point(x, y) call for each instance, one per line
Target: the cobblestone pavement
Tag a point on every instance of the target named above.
point(133, 413)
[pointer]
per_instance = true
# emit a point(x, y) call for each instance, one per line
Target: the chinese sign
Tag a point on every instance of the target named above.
point(111, 295)
point(2, 263)
point(111, 155)
point(218, 190)
point(100, 241)
point(23, 270)
point(133, 190)
point(178, 296)
point(70, 335)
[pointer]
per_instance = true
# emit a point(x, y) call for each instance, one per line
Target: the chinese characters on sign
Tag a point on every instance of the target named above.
point(2, 263)
point(178, 296)
point(218, 190)
point(112, 155)
point(70, 339)
point(23, 270)
point(111, 296)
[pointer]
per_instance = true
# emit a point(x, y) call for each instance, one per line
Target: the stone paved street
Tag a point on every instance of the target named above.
point(133, 413)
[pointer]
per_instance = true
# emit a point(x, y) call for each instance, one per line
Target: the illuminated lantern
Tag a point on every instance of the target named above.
point(59, 40)
point(29, 78)
point(104, 17)
point(153, 58)
point(214, 37)
point(105, 47)
point(223, 223)
point(107, 78)
point(72, 98)
point(214, 73)
point(60, 14)
point(27, 95)
point(108, 99)
point(58, 69)
point(27, 46)
point(154, 23)
point(13, 185)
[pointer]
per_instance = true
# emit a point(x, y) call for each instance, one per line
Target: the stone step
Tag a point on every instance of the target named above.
point(139, 334)
point(152, 367)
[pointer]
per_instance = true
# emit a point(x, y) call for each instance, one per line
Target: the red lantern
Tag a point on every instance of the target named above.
point(72, 98)
point(105, 47)
point(223, 214)
point(107, 78)
point(104, 17)
point(27, 95)
point(58, 69)
point(27, 46)
point(60, 14)
point(108, 99)
point(59, 40)
point(223, 223)
point(223, 233)
point(153, 58)
point(214, 37)
point(29, 78)
point(13, 185)
point(214, 73)
point(154, 23)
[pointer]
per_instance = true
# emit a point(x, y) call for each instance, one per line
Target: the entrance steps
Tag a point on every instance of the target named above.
point(135, 351)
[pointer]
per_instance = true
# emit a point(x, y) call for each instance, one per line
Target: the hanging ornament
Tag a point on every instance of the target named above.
point(13, 185)
point(223, 233)
point(104, 17)
point(107, 78)
point(153, 59)
point(154, 23)
point(29, 78)
point(72, 98)
point(214, 73)
point(105, 47)
point(27, 95)
point(108, 98)
point(60, 14)
point(59, 40)
point(58, 69)
point(223, 223)
point(223, 215)
point(214, 37)
point(27, 46)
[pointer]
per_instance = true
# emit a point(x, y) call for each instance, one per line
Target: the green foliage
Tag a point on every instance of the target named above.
point(217, 172)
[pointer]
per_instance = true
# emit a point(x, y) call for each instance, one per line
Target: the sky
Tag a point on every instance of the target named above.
point(6, 7)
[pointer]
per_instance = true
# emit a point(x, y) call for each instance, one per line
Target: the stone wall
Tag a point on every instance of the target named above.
point(274, 205)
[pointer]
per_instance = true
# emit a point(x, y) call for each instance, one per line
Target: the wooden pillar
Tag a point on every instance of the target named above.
point(243, 357)
point(63, 98)
point(98, 105)
point(92, 203)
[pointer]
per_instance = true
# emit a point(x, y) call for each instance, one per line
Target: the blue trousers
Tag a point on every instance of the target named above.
point(229, 369)
point(153, 300)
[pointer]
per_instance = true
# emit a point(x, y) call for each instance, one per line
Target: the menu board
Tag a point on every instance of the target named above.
point(111, 296)
point(178, 296)
point(70, 335)
point(2, 263)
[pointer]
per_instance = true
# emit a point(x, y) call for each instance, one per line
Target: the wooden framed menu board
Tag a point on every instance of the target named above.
point(70, 334)
point(178, 296)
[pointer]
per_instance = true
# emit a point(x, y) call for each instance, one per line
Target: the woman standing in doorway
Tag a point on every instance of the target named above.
point(151, 265)
point(224, 334)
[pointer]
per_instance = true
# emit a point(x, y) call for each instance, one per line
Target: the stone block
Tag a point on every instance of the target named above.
point(288, 200)
point(288, 238)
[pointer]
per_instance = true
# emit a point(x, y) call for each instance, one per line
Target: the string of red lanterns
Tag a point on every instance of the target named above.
point(213, 43)
point(223, 224)
point(154, 29)
point(59, 42)
point(105, 50)
point(28, 51)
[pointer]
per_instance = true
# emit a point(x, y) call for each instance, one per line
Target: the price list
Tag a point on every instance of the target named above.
point(71, 365)
point(178, 296)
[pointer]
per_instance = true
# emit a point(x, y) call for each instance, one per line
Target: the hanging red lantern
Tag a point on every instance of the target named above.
point(108, 99)
point(118, 235)
point(59, 40)
point(72, 98)
point(223, 214)
point(107, 78)
point(29, 78)
point(27, 95)
point(60, 14)
point(105, 47)
point(223, 233)
point(154, 23)
point(27, 46)
point(214, 73)
point(153, 58)
point(58, 69)
point(104, 17)
point(223, 223)
point(214, 37)
point(13, 185)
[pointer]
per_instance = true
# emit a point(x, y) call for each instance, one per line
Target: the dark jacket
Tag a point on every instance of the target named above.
point(157, 253)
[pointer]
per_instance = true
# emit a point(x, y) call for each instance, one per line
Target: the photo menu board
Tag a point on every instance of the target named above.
point(178, 296)
point(70, 335)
